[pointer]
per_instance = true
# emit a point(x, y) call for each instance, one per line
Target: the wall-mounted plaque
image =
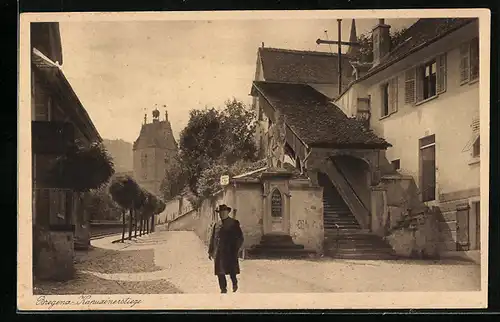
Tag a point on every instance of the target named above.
point(276, 204)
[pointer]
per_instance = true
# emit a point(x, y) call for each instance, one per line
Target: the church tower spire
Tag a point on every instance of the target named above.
point(353, 50)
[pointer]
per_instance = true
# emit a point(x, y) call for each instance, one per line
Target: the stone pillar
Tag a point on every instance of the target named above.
point(82, 224)
point(55, 249)
point(378, 209)
point(314, 164)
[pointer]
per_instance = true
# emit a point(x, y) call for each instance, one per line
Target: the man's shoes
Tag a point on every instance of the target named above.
point(223, 291)
point(235, 288)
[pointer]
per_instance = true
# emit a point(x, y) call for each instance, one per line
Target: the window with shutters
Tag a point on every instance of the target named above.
point(385, 99)
point(426, 81)
point(476, 146)
point(410, 86)
point(389, 97)
point(469, 61)
point(473, 146)
point(464, 63)
point(441, 74)
point(474, 59)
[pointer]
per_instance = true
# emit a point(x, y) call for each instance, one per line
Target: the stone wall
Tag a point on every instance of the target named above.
point(171, 211)
point(53, 255)
point(184, 222)
point(419, 239)
point(380, 213)
point(306, 215)
point(249, 202)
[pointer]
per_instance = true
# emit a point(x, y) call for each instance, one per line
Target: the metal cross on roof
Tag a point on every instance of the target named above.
point(340, 43)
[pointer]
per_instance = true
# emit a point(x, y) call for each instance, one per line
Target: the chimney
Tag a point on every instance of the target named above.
point(381, 41)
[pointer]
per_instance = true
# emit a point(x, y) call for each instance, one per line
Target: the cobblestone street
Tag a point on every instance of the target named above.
point(176, 262)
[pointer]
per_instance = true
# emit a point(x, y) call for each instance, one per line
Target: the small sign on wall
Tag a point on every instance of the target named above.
point(224, 180)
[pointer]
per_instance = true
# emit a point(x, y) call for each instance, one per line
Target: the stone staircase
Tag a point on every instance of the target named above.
point(344, 237)
point(277, 246)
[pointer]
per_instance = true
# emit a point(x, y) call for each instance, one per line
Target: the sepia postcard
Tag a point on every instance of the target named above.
point(253, 160)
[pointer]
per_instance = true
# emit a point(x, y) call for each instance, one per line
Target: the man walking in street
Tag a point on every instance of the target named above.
point(225, 242)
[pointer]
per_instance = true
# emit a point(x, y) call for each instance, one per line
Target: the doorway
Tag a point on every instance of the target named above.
point(428, 168)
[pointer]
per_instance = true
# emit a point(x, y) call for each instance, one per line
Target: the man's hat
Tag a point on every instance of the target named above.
point(222, 208)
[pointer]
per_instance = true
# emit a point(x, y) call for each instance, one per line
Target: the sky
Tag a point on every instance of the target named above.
point(121, 70)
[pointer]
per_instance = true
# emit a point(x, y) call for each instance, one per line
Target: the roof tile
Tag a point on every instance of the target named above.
point(420, 33)
point(294, 66)
point(315, 119)
point(156, 134)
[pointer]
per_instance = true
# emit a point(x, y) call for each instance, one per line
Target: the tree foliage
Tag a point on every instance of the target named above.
point(82, 168)
point(160, 207)
point(126, 192)
point(175, 179)
point(365, 54)
point(238, 123)
point(150, 204)
point(101, 205)
point(217, 137)
point(209, 182)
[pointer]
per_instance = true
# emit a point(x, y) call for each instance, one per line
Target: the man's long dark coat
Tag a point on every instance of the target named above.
point(225, 242)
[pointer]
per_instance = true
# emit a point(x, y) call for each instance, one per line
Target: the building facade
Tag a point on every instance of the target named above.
point(58, 121)
point(423, 98)
point(154, 151)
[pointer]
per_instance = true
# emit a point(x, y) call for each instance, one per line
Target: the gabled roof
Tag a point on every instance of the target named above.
point(315, 119)
point(420, 34)
point(54, 77)
point(45, 36)
point(296, 66)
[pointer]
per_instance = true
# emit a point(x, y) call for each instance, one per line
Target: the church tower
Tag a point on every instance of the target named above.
point(353, 37)
point(154, 150)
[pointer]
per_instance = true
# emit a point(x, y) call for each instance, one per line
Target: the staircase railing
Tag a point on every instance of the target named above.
point(357, 207)
point(350, 186)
